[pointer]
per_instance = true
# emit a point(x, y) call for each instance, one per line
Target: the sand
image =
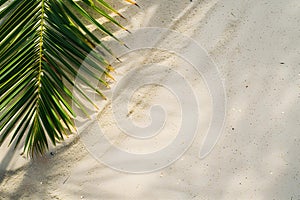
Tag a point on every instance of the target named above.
point(255, 47)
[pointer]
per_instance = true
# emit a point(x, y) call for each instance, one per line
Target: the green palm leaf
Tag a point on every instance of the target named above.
point(43, 42)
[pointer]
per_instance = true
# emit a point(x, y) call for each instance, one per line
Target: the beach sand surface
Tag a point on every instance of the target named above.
point(256, 48)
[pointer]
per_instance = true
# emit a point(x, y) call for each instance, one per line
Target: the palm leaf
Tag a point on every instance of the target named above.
point(43, 42)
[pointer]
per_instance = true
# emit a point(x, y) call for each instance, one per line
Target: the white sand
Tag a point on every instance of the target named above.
point(256, 45)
